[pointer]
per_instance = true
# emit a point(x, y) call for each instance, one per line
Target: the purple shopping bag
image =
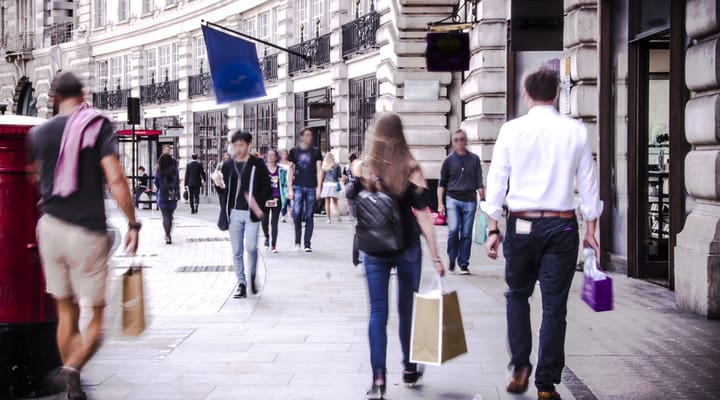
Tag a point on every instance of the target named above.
point(598, 294)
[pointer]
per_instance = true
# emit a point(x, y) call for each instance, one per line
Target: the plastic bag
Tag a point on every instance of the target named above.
point(591, 266)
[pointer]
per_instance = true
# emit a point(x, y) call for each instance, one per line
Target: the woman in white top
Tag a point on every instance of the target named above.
point(331, 185)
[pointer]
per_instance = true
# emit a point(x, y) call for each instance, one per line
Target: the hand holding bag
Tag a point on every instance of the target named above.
point(481, 225)
point(597, 289)
point(438, 334)
point(133, 302)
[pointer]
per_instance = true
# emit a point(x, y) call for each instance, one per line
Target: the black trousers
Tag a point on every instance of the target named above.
point(194, 192)
point(272, 215)
point(167, 219)
point(548, 254)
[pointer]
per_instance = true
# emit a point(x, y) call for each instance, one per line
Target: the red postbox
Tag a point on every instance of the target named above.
point(28, 317)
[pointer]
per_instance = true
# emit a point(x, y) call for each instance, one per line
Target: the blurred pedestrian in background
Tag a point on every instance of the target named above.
point(331, 186)
point(390, 168)
point(143, 183)
point(195, 176)
point(72, 154)
point(304, 186)
point(284, 165)
point(272, 205)
point(349, 179)
point(167, 182)
point(461, 180)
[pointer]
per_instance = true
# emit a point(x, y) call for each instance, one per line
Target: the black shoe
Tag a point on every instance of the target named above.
point(411, 377)
point(253, 286)
point(464, 270)
point(241, 292)
point(451, 267)
point(267, 244)
point(376, 392)
point(74, 388)
point(168, 239)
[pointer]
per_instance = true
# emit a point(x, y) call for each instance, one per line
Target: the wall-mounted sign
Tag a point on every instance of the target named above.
point(422, 90)
point(321, 110)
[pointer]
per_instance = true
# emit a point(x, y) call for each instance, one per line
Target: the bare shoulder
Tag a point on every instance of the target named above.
point(417, 177)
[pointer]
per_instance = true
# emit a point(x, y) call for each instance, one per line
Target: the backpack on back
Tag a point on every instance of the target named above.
point(379, 223)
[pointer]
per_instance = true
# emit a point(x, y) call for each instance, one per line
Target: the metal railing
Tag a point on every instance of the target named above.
point(24, 41)
point(199, 85)
point(318, 49)
point(111, 100)
point(60, 33)
point(359, 34)
point(269, 67)
point(160, 92)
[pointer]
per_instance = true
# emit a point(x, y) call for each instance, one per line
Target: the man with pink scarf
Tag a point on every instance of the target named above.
point(72, 154)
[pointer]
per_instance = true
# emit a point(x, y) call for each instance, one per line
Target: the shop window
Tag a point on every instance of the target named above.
point(260, 119)
point(363, 94)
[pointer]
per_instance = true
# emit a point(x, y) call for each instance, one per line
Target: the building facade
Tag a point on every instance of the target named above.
point(641, 75)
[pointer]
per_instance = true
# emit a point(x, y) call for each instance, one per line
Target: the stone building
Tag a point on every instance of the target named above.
point(642, 75)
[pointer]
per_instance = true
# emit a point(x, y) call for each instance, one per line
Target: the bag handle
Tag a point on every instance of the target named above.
point(439, 284)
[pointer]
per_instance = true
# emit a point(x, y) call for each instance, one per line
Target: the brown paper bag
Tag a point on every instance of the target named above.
point(133, 302)
point(437, 329)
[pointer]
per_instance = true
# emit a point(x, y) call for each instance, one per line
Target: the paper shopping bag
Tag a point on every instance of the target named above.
point(481, 225)
point(598, 294)
point(133, 302)
point(437, 329)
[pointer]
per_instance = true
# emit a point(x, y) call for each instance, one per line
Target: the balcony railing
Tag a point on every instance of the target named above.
point(199, 85)
point(318, 49)
point(160, 92)
point(22, 42)
point(358, 35)
point(111, 100)
point(59, 33)
point(269, 67)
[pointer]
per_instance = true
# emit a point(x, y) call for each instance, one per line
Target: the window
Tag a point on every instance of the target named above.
point(363, 93)
point(123, 10)
point(260, 119)
point(249, 27)
point(169, 3)
point(116, 73)
point(165, 62)
point(102, 75)
point(210, 140)
point(99, 13)
point(303, 18)
point(265, 33)
point(127, 69)
point(309, 11)
point(175, 61)
point(150, 66)
point(148, 6)
point(200, 56)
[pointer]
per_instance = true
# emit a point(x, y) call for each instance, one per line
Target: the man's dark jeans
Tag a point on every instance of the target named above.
point(548, 254)
point(194, 192)
point(303, 210)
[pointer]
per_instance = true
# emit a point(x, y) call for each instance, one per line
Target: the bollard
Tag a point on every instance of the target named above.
point(28, 316)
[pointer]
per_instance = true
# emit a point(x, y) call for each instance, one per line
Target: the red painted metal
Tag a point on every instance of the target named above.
point(139, 132)
point(22, 285)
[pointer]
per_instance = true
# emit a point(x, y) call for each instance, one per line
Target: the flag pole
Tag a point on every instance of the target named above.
point(293, 52)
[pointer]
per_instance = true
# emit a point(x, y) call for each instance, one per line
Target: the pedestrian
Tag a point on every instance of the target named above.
point(72, 154)
point(461, 180)
point(391, 168)
point(537, 162)
point(167, 182)
point(194, 178)
point(143, 183)
point(304, 183)
point(331, 185)
point(272, 206)
point(284, 165)
point(248, 187)
point(349, 179)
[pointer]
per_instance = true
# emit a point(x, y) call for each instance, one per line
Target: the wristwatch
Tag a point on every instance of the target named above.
point(136, 226)
point(494, 232)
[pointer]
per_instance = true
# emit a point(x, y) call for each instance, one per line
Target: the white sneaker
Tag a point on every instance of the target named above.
point(274, 250)
point(308, 249)
point(297, 247)
point(328, 222)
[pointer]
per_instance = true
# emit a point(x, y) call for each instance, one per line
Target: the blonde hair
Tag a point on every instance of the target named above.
point(329, 162)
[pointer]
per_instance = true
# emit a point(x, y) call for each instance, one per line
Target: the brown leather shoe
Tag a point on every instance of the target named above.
point(549, 395)
point(519, 382)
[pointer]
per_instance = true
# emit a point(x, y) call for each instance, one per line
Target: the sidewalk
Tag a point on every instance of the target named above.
point(305, 335)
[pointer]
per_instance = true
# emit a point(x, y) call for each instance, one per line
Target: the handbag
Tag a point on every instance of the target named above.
point(379, 228)
point(186, 195)
point(597, 289)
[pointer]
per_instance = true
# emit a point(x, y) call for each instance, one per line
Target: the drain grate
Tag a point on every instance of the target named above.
point(208, 239)
point(205, 268)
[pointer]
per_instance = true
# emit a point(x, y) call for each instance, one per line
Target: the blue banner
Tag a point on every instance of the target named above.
point(234, 66)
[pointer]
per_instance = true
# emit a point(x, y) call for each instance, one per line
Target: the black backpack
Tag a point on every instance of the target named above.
point(379, 223)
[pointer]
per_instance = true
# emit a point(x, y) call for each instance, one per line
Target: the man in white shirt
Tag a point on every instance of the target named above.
point(537, 162)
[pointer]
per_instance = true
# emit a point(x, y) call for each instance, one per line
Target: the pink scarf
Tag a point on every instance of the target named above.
point(81, 132)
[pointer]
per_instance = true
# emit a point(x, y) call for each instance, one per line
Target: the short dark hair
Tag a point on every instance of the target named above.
point(352, 157)
point(458, 131)
point(141, 168)
point(305, 129)
point(241, 135)
point(541, 84)
point(66, 85)
point(194, 156)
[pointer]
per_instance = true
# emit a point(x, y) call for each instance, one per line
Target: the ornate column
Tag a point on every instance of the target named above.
point(697, 252)
point(339, 13)
point(185, 64)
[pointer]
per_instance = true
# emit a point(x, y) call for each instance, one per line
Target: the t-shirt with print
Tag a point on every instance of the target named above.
point(85, 207)
point(332, 175)
point(275, 182)
point(305, 161)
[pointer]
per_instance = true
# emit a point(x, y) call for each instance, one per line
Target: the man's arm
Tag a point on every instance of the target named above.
point(117, 182)
point(589, 189)
point(479, 180)
point(203, 175)
point(497, 182)
point(319, 173)
point(442, 187)
point(187, 174)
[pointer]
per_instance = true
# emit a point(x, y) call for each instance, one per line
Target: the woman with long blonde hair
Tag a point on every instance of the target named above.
point(390, 168)
point(331, 185)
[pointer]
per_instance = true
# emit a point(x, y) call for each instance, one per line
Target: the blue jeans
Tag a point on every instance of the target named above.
point(377, 272)
point(243, 237)
point(548, 254)
point(304, 209)
point(460, 219)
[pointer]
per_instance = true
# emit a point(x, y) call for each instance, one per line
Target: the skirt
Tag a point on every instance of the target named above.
point(329, 190)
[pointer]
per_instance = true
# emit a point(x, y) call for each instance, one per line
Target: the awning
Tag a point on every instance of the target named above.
point(139, 132)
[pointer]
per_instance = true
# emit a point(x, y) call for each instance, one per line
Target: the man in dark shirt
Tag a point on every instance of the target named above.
point(461, 179)
point(72, 233)
point(143, 182)
point(194, 178)
point(304, 183)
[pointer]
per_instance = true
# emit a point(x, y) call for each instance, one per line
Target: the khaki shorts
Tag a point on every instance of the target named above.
point(75, 260)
